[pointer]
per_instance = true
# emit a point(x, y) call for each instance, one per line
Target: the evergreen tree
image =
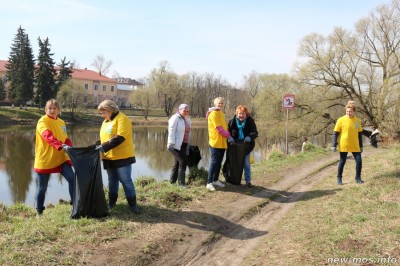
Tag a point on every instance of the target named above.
point(20, 68)
point(2, 90)
point(45, 74)
point(64, 73)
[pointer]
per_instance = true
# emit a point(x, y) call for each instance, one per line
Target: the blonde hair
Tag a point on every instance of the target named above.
point(52, 102)
point(218, 100)
point(242, 108)
point(108, 105)
point(351, 105)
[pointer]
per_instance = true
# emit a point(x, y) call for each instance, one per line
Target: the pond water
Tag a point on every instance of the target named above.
point(18, 181)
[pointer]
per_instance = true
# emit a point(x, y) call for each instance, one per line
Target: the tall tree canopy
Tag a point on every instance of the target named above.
point(2, 90)
point(20, 68)
point(45, 74)
point(64, 72)
point(361, 65)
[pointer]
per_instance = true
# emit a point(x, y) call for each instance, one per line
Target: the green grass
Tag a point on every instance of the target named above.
point(278, 160)
point(32, 114)
point(356, 221)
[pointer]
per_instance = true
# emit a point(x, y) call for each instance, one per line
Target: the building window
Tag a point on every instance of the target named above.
point(86, 86)
point(96, 87)
point(112, 88)
point(104, 87)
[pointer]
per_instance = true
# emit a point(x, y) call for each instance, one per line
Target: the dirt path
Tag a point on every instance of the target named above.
point(217, 231)
point(235, 240)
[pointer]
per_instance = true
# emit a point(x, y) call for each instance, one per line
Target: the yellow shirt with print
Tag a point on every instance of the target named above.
point(215, 139)
point(121, 125)
point(348, 129)
point(46, 156)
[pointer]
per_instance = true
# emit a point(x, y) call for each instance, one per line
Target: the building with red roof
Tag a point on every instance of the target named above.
point(97, 87)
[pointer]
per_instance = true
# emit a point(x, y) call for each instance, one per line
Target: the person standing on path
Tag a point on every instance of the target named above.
point(218, 135)
point(179, 131)
point(51, 139)
point(242, 127)
point(118, 153)
point(348, 134)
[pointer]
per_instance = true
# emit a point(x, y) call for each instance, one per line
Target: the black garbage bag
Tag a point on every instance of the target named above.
point(88, 199)
point(374, 140)
point(234, 162)
point(194, 156)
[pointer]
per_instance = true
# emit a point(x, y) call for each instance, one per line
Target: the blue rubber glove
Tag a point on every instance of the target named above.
point(333, 148)
point(247, 139)
point(231, 140)
point(100, 148)
point(65, 147)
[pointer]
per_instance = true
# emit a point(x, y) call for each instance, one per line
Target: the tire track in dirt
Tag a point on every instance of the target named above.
point(232, 250)
point(229, 243)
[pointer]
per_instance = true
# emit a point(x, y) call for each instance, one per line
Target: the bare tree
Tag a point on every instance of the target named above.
point(144, 98)
point(252, 84)
point(362, 65)
point(102, 65)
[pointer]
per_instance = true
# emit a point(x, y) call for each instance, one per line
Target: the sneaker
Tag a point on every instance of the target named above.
point(248, 184)
point(218, 183)
point(210, 187)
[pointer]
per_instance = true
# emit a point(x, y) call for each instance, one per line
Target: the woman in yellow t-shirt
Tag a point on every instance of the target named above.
point(118, 153)
point(51, 138)
point(348, 134)
point(218, 135)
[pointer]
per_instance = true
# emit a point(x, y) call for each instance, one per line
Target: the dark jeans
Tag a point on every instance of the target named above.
point(342, 162)
point(43, 181)
point(217, 155)
point(181, 161)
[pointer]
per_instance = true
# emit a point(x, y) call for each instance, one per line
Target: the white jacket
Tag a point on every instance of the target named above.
point(176, 131)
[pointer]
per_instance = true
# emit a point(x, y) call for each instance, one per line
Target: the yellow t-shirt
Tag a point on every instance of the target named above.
point(47, 156)
point(348, 129)
point(121, 126)
point(215, 139)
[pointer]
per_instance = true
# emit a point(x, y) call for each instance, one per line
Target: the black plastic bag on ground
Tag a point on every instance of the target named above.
point(234, 162)
point(194, 156)
point(88, 199)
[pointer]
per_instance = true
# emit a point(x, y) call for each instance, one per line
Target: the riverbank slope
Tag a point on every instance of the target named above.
point(294, 215)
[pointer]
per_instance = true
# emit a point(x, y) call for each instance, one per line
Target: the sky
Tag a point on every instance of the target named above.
point(229, 38)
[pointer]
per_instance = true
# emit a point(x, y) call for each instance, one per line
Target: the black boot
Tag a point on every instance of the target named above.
point(173, 177)
point(133, 205)
point(112, 200)
point(359, 180)
point(181, 178)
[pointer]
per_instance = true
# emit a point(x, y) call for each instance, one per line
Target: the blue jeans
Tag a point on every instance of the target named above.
point(342, 162)
point(217, 155)
point(246, 168)
point(43, 180)
point(123, 175)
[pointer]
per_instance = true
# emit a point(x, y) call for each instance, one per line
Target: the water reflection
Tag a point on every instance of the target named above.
point(18, 181)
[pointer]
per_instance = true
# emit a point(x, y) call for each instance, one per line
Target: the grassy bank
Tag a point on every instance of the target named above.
point(29, 116)
point(356, 220)
point(355, 225)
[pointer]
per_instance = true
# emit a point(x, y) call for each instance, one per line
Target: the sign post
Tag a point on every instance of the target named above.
point(288, 104)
